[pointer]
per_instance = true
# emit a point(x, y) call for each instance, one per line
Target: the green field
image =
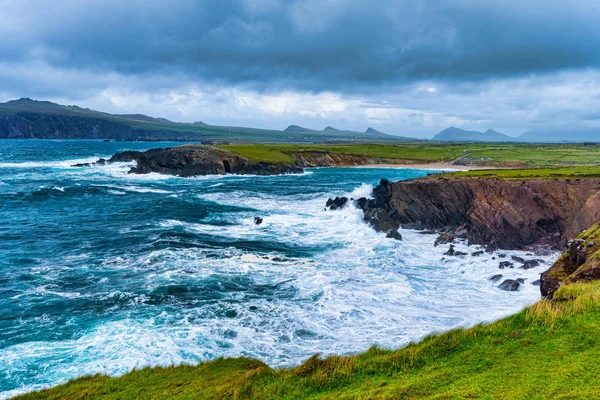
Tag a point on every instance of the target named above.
point(582, 171)
point(550, 350)
point(529, 155)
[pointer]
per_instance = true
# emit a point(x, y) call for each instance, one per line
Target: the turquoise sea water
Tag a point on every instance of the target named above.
point(102, 271)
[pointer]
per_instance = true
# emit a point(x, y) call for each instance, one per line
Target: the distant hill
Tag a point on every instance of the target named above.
point(453, 134)
point(370, 134)
point(27, 118)
point(562, 136)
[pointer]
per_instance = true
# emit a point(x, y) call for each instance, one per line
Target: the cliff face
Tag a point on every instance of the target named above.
point(31, 125)
point(309, 159)
point(507, 214)
point(196, 160)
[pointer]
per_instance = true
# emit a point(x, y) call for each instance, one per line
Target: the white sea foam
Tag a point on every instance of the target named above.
point(357, 289)
point(49, 164)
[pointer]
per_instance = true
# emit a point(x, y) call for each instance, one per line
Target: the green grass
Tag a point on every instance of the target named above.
point(525, 155)
point(550, 350)
point(581, 171)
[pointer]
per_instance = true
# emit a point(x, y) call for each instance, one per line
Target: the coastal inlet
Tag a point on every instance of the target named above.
point(102, 271)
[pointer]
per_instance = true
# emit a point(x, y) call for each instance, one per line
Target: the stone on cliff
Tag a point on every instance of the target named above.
point(578, 263)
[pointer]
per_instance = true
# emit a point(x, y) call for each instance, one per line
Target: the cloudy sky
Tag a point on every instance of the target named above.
point(407, 67)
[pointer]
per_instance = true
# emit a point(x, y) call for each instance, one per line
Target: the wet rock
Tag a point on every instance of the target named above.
point(338, 202)
point(394, 235)
point(477, 253)
point(530, 264)
point(453, 252)
point(496, 278)
point(520, 280)
point(101, 161)
point(517, 259)
point(501, 255)
point(536, 283)
point(126, 156)
point(444, 238)
point(510, 285)
point(258, 220)
point(506, 264)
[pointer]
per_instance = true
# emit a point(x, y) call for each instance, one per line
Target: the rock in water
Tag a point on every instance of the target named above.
point(126, 156)
point(509, 285)
point(530, 264)
point(506, 264)
point(338, 202)
point(496, 278)
point(194, 160)
point(258, 220)
point(394, 235)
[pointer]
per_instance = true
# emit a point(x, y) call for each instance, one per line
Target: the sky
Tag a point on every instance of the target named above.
point(403, 67)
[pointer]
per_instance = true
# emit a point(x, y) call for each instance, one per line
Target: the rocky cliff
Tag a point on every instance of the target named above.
point(46, 126)
point(581, 262)
point(196, 160)
point(315, 158)
point(507, 214)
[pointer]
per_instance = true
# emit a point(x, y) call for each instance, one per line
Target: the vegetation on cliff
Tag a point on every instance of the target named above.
point(549, 350)
point(580, 263)
point(479, 154)
point(580, 171)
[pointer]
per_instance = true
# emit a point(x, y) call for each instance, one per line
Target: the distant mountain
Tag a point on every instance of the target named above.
point(372, 134)
point(453, 134)
point(27, 118)
point(560, 135)
point(297, 129)
point(371, 131)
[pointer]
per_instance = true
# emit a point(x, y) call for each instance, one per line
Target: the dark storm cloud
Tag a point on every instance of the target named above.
point(305, 45)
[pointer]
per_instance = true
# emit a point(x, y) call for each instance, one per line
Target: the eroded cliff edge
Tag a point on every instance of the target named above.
point(194, 160)
point(507, 214)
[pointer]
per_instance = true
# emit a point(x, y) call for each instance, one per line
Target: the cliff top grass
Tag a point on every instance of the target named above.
point(526, 155)
point(573, 172)
point(550, 350)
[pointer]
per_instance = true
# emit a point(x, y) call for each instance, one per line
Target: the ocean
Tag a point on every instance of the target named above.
point(103, 271)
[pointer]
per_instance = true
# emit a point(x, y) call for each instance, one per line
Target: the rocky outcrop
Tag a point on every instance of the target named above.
point(579, 263)
point(126, 156)
point(194, 160)
point(315, 158)
point(338, 202)
point(508, 214)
